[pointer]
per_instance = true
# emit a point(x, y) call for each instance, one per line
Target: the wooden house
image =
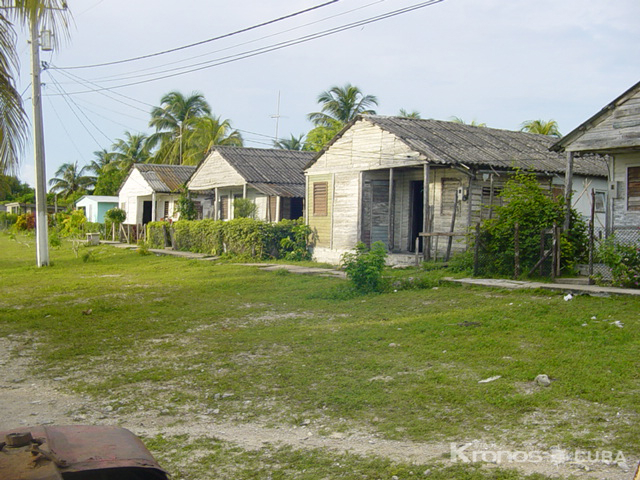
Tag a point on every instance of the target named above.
point(271, 178)
point(150, 191)
point(389, 179)
point(614, 132)
point(95, 206)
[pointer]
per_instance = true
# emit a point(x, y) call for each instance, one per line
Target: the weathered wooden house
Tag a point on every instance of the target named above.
point(149, 193)
point(614, 132)
point(389, 179)
point(271, 178)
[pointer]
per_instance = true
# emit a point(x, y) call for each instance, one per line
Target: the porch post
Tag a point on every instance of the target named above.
point(153, 207)
point(426, 241)
point(216, 205)
point(568, 190)
point(244, 191)
point(390, 236)
point(278, 206)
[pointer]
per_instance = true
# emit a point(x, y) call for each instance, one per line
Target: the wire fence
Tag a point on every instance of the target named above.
point(604, 243)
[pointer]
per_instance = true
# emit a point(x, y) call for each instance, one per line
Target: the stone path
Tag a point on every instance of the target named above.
point(593, 290)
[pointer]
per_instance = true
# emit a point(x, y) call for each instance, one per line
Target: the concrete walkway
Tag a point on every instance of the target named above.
point(593, 290)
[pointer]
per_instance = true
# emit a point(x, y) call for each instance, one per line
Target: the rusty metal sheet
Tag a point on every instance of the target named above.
point(55, 451)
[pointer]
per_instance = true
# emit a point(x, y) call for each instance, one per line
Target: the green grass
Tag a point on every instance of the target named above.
point(169, 334)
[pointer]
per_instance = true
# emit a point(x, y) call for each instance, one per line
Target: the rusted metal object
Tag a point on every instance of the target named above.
point(76, 453)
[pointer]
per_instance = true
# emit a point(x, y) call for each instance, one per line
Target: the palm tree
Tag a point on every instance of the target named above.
point(292, 143)
point(204, 133)
point(103, 161)
point(474, 122)
point(406, 114)
point(134, 148)
point(541, 127)
point(69, 180)
point(172, 121)
point(342, 104)
point(52, 15)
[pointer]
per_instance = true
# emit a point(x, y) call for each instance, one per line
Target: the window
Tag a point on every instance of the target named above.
point(633, 188)
point(601, 202)
point(224, 207)
point(166, 209)
point(320, 190)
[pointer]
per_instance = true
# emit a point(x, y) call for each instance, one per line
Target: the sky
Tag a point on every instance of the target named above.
point(499, 62)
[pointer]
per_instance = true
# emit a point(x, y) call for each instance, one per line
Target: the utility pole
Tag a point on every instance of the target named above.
point(42, 234)
point(277, 117)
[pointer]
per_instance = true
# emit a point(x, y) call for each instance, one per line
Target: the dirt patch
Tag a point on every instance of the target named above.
point(27, 399)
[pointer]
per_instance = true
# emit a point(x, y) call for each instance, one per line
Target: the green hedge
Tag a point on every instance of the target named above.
point(239, 237)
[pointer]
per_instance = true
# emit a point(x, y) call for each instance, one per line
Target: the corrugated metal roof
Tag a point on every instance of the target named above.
point(459, 144)
point(271, 171)
point(280, 189)
point(165, 178)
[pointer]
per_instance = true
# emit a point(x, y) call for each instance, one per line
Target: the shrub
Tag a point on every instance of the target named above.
point(237, 237)
point(185, 206)
point(244, 208)
point(7, 219)
point(532, 208)
point(73, 225)
point(624, 261)
point(364, 267)
point(115, 215)
point(25, 222)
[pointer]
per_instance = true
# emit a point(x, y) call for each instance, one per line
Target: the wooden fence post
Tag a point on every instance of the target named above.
point(554, 247)
point(452, 227)
point(516, 250)
point(476, 251)
point(591, 232)
point(542, 235)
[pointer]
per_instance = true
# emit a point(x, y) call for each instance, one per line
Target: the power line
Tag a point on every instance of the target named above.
point(69, 101)
point(183, 60)
point(209, 40)
point(271, 48)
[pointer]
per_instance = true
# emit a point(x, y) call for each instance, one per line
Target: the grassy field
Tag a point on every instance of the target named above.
point(182, 337)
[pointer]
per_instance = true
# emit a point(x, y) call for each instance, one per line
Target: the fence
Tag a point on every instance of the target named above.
point(603, 244)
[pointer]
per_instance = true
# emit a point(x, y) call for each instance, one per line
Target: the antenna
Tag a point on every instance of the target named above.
point(277, 116)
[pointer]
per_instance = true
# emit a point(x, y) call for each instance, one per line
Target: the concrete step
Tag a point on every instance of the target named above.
point(575, 281)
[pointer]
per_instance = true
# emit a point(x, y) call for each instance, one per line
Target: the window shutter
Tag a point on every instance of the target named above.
point(320, 199)
point(633, 188)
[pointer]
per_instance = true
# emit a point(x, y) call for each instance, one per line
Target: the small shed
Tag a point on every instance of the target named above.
point(271, 178)
point(390, 179)
point(95, 206)
point(150, 192)
point(614, 132)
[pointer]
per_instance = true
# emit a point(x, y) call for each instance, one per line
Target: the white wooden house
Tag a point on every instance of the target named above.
point(271, 178)
point(389, 179)
point(95, 206)
point(614, 132)
point(150, 191)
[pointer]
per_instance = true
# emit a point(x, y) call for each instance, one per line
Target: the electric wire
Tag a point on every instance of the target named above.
point(271, 48)
point(64, 127)
point(183, 60)
point(209, 40)
point(69, 102)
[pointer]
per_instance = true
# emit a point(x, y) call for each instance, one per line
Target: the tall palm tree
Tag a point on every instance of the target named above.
point(204, 133)
point(342, 104)
point(541, 127)
point(13, 123)
point(133, 148)
point(292, 143)
point(172, 121)
point(69, 180)
point(102, 161)
point(52, 16)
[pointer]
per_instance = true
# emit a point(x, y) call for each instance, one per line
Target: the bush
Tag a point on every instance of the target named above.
point(115, 215)
point(364, 267)
point(237, 237)
point(25, 222)
point(624, 261)
point(244, 208)
point(532, 208)
point(7, 219)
